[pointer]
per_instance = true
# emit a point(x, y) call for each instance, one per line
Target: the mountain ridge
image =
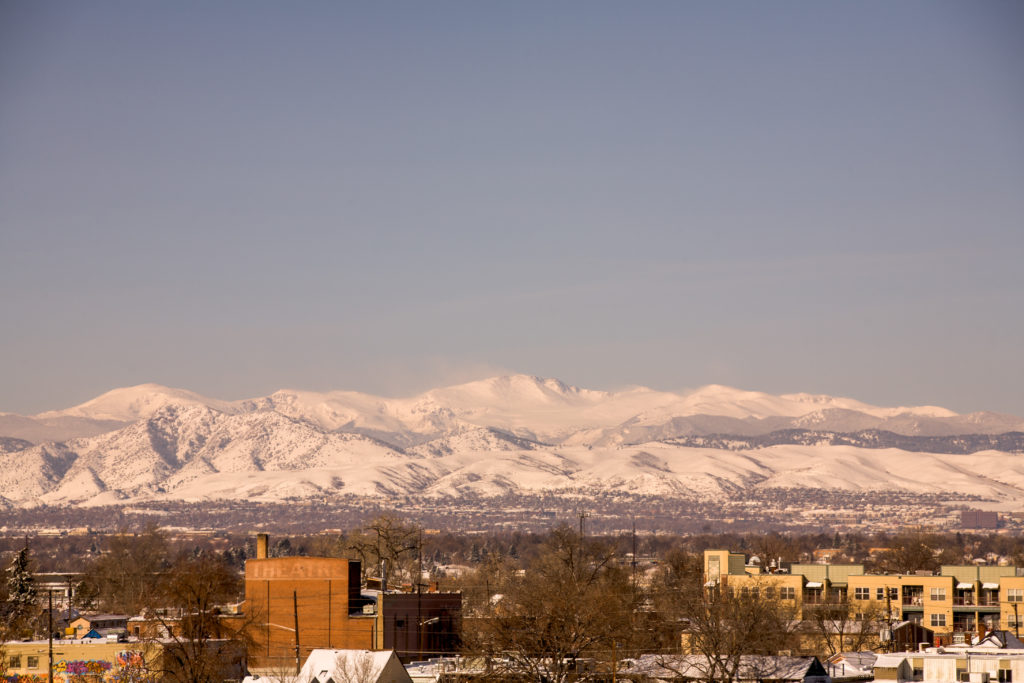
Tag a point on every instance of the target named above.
point(517, 433)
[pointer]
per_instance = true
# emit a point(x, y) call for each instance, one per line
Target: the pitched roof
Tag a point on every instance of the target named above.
point(860, 660)
point(889, 661)
point(344, 666)
point(752, 667)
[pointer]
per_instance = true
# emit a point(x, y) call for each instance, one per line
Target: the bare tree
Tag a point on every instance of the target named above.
point(913, 553)
point(357, 667)
point(772, 546)
point(571, 604)
point(124, 579)
point(198, 644)
point(845, 625)
point(391, 539)
point(724, 625)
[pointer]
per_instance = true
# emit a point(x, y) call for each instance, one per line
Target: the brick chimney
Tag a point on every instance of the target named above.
point(262, 542)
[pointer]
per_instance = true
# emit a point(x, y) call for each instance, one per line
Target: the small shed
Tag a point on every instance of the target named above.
point(907, 636)
point(893, 668)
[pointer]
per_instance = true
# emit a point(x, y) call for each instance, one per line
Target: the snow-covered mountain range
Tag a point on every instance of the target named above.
point(505, 434)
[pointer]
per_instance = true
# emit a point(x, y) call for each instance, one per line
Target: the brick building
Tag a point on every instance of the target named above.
point(309, 603)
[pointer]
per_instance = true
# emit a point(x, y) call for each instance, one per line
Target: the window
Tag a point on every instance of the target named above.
point(32, 662)
point(861, 593)
point(787, 593)
point(879, 593)
point(744, 593)
point(755, 593)
point(769, 592)
point(894, 593)
point(938, 594)
point(14, 662)
point(714, 567)
point(1015, 594)
point(938, 620)
point(1005, 676)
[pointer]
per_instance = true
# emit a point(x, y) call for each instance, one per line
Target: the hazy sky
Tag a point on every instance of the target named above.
point(236, 197)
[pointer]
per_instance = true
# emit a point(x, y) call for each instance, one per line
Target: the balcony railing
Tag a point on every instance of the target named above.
point(963, 600)
point(915, 600)
point(986, 601)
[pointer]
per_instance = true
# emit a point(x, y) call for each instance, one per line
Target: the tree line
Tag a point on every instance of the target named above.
point(565, 602)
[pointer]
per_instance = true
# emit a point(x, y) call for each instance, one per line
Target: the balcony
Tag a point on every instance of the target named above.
point(989, 601)
point(913, 600)
point(963, 600)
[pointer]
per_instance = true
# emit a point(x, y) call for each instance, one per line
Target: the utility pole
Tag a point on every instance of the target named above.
point(49, 636)
point(891, 645)
point(71, 595)
point(1016, 622)
point(634, 553)
point(295, 610)
point(582, 515)
point(419, 595)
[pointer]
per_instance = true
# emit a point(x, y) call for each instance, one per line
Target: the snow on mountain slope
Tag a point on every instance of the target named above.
point(852, 404)
point(332, 410)
point(516, 433)
point(481, 440)
point(139, 402)
point(989, 474)
point(316, 463)
point(26, 475)
point(544, 410)
point(530, 407)
point(178, 445)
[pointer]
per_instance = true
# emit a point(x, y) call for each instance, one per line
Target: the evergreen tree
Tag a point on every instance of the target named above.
point(21, 594)
point(21, 585)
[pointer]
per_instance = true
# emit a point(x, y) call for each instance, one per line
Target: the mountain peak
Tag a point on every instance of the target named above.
point(137, 402)
point(512, 389)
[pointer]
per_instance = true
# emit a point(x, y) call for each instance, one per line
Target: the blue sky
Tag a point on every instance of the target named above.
point(237, 197)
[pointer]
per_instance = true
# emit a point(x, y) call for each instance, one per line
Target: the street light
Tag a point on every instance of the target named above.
point(431, 620)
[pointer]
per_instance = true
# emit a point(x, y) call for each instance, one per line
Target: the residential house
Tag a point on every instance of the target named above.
point(102, 624)
point(345, 666)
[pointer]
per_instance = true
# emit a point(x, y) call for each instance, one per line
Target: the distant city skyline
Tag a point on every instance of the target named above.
point(240, 197)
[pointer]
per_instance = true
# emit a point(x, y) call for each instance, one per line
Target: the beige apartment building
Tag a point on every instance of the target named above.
point(958, 600)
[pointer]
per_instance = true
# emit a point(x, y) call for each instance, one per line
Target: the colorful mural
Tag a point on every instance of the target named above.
point(130, 666)
point(82, 667)
point(134, 659)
